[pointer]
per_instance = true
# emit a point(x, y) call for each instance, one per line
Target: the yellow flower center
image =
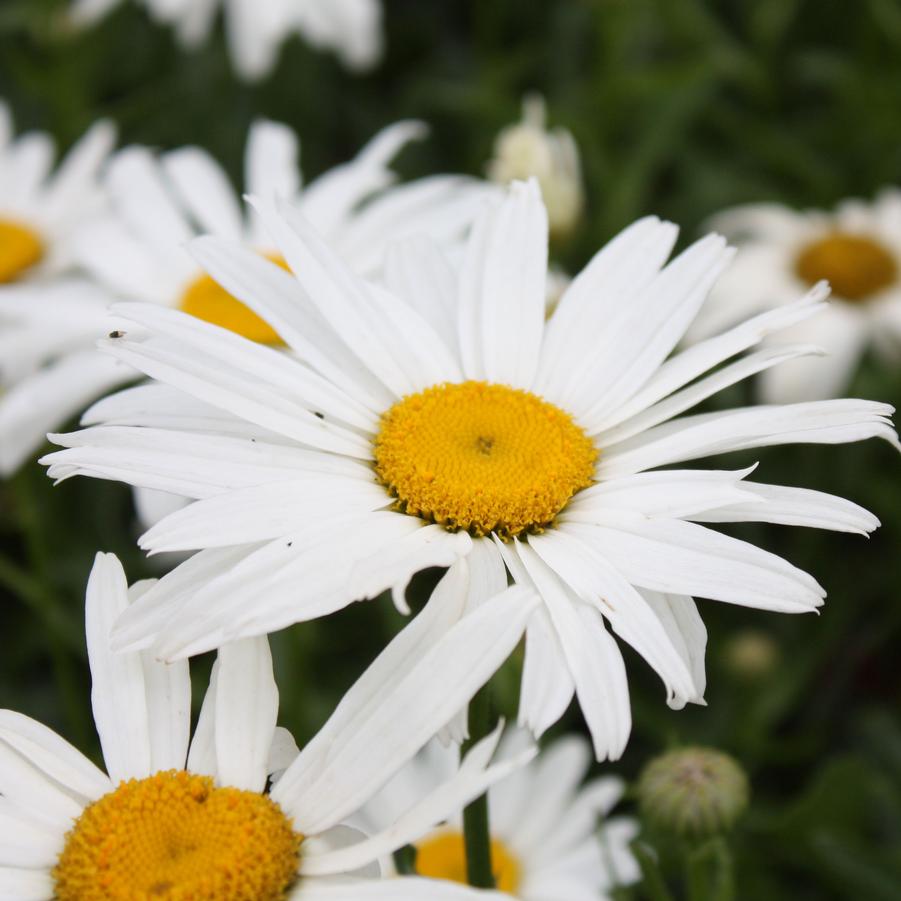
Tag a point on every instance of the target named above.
point(176, 837)
point(20, 249)
point(443, 856)
point(208, 300)
point(482, 457)
point(856, 267)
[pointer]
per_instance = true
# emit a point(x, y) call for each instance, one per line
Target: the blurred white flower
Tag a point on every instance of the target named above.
point(856, 248)
point(137, 250)
point(527, 149)
point(238, 812)
point(549, 835)
point(444, 421)
point(256, 28)
point(48, 320)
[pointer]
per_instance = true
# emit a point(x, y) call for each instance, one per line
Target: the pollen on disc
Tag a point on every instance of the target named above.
point(175, 836)
point(482, 458)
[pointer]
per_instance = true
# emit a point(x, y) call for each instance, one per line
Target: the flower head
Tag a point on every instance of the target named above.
point(856, 248)
point(443, 417)
point(236, 811)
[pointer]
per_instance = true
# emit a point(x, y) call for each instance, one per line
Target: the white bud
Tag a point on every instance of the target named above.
point(528, 149)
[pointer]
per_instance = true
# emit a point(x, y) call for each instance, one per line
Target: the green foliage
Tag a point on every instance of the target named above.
point(680, 107)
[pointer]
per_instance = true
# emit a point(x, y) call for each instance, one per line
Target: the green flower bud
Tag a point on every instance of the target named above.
point(694, 792)
point(751, 654)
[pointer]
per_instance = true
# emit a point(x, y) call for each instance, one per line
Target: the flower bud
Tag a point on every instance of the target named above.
point(693, 792)
point(751, 654)
point(528, 149)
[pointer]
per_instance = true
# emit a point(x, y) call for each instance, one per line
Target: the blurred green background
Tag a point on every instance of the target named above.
point(679, 107)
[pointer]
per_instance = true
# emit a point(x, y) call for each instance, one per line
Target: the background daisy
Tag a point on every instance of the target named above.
point(856, 248)
point(48, 318)
point(256, 28)
point(548, 838)
point(175, 814)
point(414, 428)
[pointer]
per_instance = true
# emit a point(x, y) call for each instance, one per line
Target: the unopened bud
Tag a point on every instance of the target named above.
point(693, 792)
point(528, 149)
point(751, 654)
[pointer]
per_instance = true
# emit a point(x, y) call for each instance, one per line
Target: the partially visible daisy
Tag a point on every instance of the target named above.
point(49, 369)
point(236, 812)
point(42, 208)
point(256, 29)
point(527, 149)
point(448, 419)
point(856, 248)
point(549, 839)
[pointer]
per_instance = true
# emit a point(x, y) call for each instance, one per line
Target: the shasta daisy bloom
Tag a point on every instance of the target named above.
point(444, 417)
point(51, 370)
point(48, 368)
point(547, 840)
point(237, 812)
point(856, 248)
point(255, 29)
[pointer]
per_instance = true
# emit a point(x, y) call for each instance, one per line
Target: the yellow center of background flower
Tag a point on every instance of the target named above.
point(482, 458)
point(208, 300)
point(20, 249)
point(176, 837)
point(856, 267)
point(443, 856)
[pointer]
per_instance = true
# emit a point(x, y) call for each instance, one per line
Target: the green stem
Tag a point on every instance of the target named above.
point(476, 832)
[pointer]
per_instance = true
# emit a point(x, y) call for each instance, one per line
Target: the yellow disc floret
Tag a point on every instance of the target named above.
point(208, 300)
point(443, 856)
point(176, 837)
point(857, 267)
point(482, 458)
point(20, 249)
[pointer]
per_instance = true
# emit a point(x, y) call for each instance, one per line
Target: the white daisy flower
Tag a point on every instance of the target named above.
point(42, 208)
point(546, 843)
point(444, 417)
point(236, 812)
point(255, 29)
point(48, 321)
point(51, 370)
point(856, 248)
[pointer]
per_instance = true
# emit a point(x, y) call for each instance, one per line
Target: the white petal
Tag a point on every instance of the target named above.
point(581, 566)
point(842, 331)
point(262, 512)
point(271, 168)
point(502, 289)
point(547, 684)
point(593, 657)
point(44, 401)
point(634, 345)
point(817, 422)
point(687, 365)
point(684, 558)
point(52, 755)
point(25, 842)
point(370, 749)
point(279, 298)
point(205, 190)
point(471, 780)
point(596, 297)
point(168, 690)
point(246, 711)
point(795, 507)
point(118, 692)
point(25, 885)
